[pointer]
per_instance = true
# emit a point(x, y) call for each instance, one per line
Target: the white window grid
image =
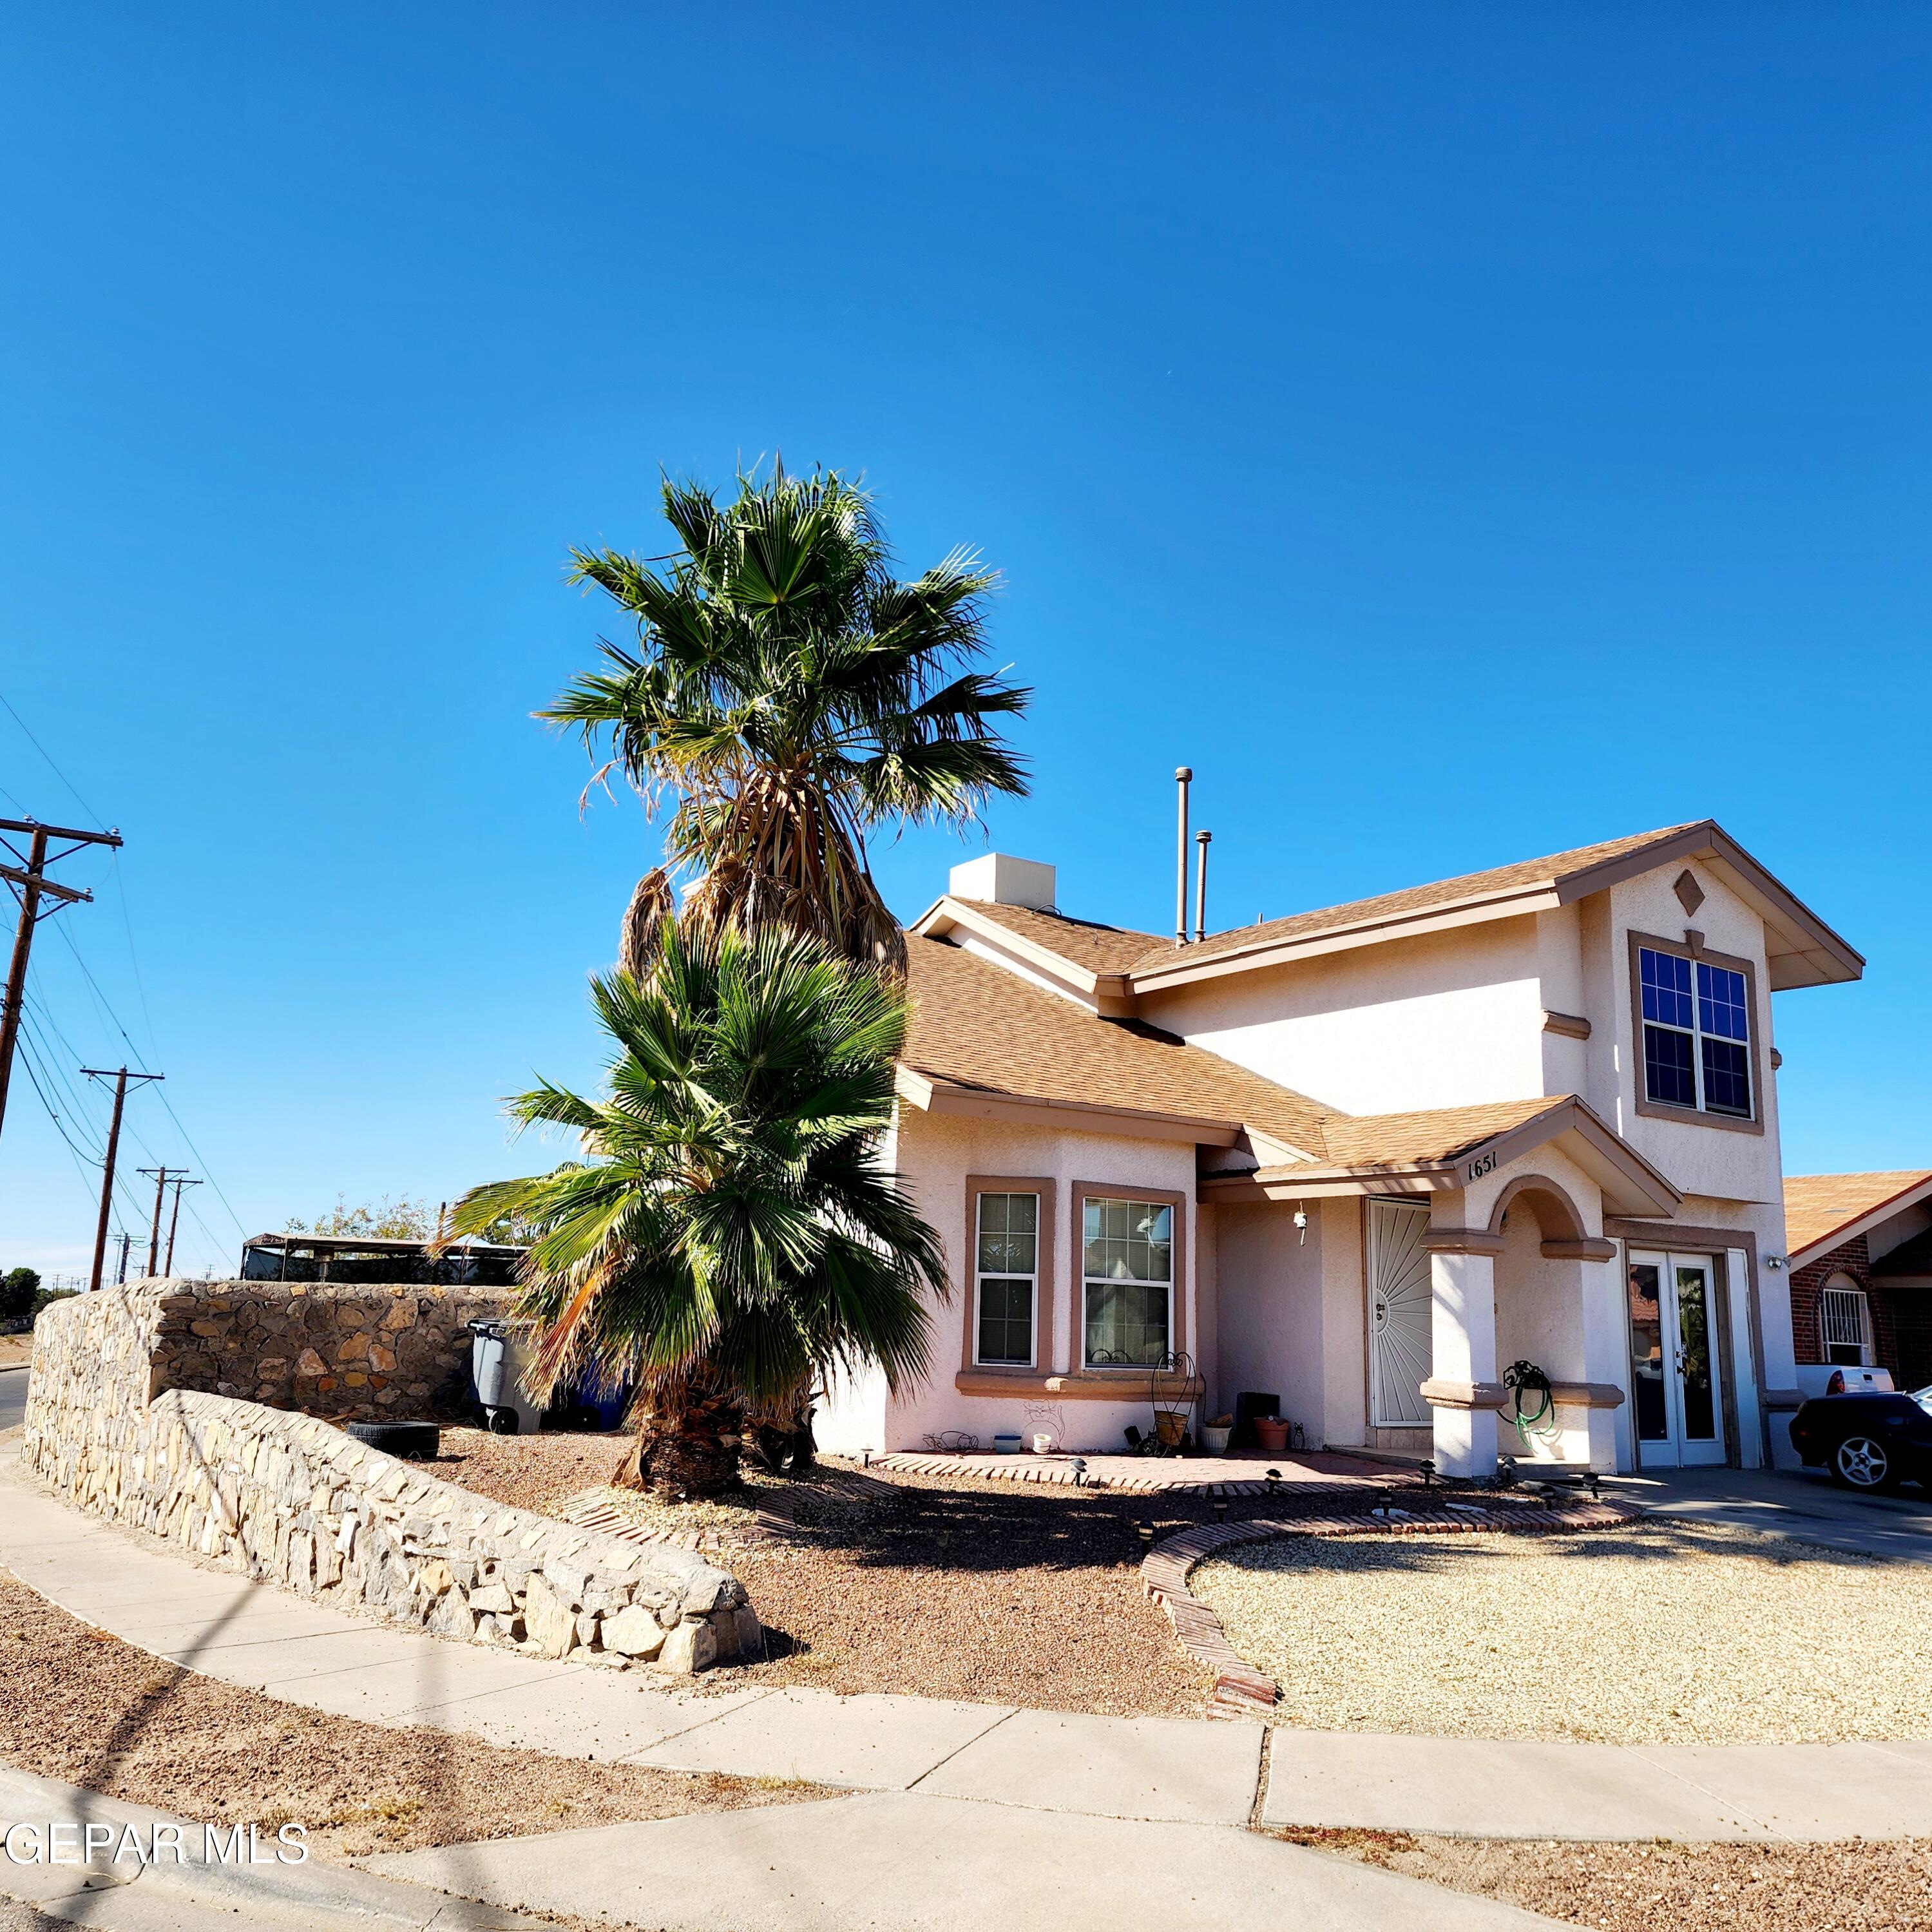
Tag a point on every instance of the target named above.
point(1844, 1321)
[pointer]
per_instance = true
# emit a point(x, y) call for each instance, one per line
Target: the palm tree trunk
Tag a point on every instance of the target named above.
point(690, 1451)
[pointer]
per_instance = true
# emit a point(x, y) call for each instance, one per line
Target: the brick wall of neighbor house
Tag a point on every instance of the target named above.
point(290, 1499)
point(1901, 1320)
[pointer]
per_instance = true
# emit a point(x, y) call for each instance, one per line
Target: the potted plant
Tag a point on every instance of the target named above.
point(1215, 1436)
point(1271, 1432)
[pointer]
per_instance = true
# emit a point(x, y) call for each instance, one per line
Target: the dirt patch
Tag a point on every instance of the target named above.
point(1855, 1887)
point(989, 1592)
point(17, 1350)
point(976, 1592)
point(105, 1715)
point(1664, 1632)
point(531, 1472)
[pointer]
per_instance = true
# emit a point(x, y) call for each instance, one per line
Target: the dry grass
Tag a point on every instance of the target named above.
point(111, 1718)
point(1663, 1633)
point(1857, 1887)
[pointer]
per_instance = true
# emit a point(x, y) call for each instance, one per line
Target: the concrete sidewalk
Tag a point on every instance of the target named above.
point(906, 1862)
point(1168, 1771)
point(122, 1894)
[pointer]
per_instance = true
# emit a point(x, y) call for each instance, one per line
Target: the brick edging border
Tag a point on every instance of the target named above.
point(1240, 1689)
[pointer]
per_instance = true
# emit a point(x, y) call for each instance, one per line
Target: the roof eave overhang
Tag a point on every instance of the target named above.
point(1107, 994)
point(1631, 1185)
point(1801, 950)
point(1804, 951)
point(1513, 903)
point(932, 1094)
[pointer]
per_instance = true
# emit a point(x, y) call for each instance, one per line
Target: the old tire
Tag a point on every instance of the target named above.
point(1864, 1462)
point(418, 1441)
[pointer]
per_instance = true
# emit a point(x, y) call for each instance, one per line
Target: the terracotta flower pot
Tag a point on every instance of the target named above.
point(1271, 1432)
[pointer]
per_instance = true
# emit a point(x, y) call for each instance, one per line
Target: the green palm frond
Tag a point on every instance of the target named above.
point(731, 1224)
point(791, 695)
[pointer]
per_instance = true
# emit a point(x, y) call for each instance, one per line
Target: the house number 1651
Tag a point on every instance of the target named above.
point(1483, 1164)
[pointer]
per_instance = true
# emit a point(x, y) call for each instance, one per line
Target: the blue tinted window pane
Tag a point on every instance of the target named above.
point(1666, 987)
point(1726, 1077)
point(1668, 1074)
point(1721, 1008)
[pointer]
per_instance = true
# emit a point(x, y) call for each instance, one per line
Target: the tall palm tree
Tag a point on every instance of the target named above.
point(729, 1236)
point(791, 695)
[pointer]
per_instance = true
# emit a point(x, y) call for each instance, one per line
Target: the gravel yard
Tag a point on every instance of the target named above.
point(1662, 1633)
point(1834, 1888)
point(115, 1719)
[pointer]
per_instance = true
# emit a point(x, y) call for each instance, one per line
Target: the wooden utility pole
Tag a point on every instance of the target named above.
point(174, 1219)
point(163, 1175)
point(30, 881)
point(121, 1077)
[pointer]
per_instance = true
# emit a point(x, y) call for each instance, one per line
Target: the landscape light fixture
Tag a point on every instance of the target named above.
point(1220, 1509)
point(1274, 1480)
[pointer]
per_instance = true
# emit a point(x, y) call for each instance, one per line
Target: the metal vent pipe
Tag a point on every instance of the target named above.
point(1201, 840)
point(1182, 774)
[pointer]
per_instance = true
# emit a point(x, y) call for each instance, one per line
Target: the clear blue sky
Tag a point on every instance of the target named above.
point(1458, 432)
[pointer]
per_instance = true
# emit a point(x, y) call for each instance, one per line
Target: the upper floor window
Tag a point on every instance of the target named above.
point(1696, 1033)
point(1006, 1279)
point(1127, 1280)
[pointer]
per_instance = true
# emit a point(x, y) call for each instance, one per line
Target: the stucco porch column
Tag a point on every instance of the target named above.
point(1463, 1390)
point(1605, 1341)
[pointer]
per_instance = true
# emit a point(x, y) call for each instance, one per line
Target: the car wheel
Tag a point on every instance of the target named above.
point(1864, 1462)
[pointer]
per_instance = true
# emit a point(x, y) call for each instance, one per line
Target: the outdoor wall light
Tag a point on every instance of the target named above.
point(1774, 1262)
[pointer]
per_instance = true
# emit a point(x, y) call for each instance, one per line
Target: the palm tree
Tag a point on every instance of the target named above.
point(791, 695)
point(730, 1237)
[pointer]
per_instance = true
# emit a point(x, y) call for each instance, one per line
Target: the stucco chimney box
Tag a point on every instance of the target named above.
point(998, 879)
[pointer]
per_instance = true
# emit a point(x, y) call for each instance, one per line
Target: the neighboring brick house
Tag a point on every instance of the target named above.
point(1860, 1261)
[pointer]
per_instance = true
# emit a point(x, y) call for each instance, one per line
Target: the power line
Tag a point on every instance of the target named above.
point(49, 756)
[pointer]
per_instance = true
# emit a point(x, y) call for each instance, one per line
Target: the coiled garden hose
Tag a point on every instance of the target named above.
point(1526, 1378)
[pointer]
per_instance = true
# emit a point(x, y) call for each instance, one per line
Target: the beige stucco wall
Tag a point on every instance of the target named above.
point(1443, 1021)
point(935, 1152)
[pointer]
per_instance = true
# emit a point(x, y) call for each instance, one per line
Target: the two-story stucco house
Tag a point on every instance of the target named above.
point(1363, 1158)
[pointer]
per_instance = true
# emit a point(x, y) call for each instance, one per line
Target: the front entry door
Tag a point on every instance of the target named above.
point(1678, 1407)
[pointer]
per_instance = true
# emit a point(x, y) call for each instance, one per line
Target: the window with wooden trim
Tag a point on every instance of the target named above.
point(1696, 1033)
point(1127, 1281)
point(1006, 1280)
point(1844, 1324)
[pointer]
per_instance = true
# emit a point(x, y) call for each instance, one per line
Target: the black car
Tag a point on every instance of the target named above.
point(1867, 1440)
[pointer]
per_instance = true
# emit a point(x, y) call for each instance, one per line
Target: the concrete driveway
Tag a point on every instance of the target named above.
point(1802, 1503)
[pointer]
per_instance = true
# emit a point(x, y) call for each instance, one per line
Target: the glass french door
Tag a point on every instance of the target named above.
point(1677, 1400)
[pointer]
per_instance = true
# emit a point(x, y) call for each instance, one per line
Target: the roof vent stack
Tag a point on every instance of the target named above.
point(1202, 840)
point(1183, 774)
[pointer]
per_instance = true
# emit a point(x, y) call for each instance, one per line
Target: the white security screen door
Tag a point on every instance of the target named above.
point(1679, 1397)
point(1401, 1316)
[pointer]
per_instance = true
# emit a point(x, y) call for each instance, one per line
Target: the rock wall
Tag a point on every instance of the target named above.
point(355, 1350)
point(289, 1499)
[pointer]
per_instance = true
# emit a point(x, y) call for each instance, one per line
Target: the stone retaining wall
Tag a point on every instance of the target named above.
point(352, 1349)
point(289, 1499)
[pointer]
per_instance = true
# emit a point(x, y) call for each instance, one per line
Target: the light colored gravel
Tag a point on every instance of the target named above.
point(1662, 1634)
